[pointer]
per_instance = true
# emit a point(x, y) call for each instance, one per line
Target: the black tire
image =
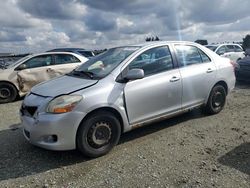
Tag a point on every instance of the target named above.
point(103, 124)
point(216, 100)
point(8, 92)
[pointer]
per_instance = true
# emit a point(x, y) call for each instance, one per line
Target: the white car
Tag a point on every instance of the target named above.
point(232, 51)
point(18, 78)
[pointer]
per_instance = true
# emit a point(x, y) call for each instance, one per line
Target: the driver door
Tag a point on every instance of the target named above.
point(159, 92)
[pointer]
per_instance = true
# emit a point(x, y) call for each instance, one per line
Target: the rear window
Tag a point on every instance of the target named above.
point(204, 57)
point(189, 55)
point(230, 48)
point(238, 49)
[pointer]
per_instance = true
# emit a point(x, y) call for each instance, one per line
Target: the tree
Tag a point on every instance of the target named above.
point(246, 42)
point(156, 38)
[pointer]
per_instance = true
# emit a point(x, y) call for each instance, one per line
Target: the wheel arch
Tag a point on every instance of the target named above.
point(8, 82)
point(107, 109)
point(221, 82)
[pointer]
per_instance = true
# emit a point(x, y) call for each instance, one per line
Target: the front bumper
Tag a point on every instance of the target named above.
point(40, 130)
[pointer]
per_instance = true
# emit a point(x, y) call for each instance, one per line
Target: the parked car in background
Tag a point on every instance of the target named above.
point(17, 78)
point(242, 71)
point(122, 89)
point(81, 51)
point(7, 59)
point(232, 51)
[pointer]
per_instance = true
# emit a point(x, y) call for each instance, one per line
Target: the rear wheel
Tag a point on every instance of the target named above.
point(8, 92)
point(216, 100)
point(98, 134)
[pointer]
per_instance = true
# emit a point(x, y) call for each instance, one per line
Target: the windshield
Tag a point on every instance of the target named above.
point(213, 48)
point(18, 61)
point(101, 65)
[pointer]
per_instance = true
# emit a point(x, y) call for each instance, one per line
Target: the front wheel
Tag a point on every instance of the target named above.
point(98, 134)
point(8, 93)
point(216, 100)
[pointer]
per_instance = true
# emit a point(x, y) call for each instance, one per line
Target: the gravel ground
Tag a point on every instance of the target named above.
point(191, 150)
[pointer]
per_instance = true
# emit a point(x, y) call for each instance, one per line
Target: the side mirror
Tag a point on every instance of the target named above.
point(21, 67)
point(134, 74)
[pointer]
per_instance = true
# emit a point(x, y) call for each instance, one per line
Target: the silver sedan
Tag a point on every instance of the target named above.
point(122, 89)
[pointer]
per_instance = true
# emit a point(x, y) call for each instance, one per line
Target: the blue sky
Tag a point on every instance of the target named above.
point(39, 25)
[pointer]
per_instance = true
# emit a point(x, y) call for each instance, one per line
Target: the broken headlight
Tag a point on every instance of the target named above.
point(63, 104)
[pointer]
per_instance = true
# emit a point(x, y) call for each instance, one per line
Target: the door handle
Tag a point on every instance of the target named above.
point(209, 70)
point(174, 79)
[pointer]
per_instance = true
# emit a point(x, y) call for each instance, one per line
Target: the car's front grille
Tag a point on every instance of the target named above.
point(28, 110)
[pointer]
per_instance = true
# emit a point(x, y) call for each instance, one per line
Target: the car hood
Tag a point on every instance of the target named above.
point(62, 85)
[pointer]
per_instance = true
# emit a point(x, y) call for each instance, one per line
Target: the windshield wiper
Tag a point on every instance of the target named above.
point(86, 73)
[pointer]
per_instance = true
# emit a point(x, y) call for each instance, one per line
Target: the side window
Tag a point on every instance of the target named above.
point(230, 48)
point(153, 61)
point(39, 61)
point(188, 55)
point(221, 50)
point(237, 49)
point(65, 58)
point(204, 57)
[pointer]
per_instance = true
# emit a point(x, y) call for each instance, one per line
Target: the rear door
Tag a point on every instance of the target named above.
point(198, 74)
point(159, 92)
point(33, 71)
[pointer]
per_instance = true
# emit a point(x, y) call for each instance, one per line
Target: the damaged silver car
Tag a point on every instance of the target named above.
point(18, 78)
point(122, 89)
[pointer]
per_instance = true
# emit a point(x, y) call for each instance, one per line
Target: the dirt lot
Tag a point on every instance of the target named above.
point(191, 150)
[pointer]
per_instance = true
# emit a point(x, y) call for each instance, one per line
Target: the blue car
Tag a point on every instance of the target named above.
point(242, 73)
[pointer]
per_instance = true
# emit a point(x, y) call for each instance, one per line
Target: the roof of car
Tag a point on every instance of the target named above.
point(49, 53)
point(74, 49)
point(223, 44)
point(151, 43)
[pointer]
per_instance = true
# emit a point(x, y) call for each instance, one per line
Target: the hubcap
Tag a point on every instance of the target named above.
point(4, 93)
point(218, 99)
point(99, 134)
